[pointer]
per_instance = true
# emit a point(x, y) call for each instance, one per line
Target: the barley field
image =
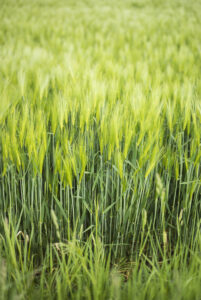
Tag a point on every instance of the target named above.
point(100, 149)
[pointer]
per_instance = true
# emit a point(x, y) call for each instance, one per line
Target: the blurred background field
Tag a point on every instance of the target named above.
point(100, 149)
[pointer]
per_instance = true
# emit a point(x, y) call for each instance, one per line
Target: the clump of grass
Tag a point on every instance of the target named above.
point(100, 123)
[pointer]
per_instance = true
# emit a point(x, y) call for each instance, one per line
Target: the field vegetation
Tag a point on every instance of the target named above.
point(100, 149)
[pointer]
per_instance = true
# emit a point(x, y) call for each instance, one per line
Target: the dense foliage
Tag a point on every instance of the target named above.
point(100, 149)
